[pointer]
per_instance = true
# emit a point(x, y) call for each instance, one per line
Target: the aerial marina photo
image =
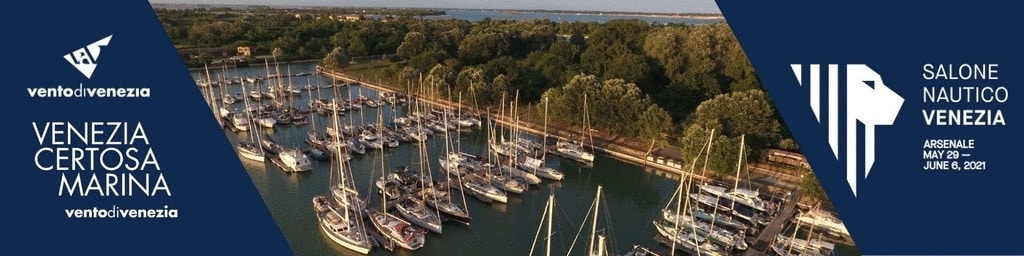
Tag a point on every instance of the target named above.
point(466, 131)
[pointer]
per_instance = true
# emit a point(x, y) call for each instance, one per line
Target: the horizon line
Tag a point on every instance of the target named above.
point(279, 6)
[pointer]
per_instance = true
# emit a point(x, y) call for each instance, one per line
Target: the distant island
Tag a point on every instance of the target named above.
point(610, 13)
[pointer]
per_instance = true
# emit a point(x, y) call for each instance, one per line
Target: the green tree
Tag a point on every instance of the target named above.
point(629, 67)
point(789, 144)
point(811, 187)
point(467, 78)
point(663, 45)
point(615, 39)
point(438, 81)
point(481, 47)
point(409, 77)
point(654, 123)
point(356, 47)
point(491, 95)
point(413, 44)
point(680, 100)
point(335, 60)
point(427, 59)
point(748, 112)
point(277, 53)
point(722, 157)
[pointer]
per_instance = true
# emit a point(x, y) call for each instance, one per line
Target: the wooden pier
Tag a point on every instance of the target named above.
point(762, 245)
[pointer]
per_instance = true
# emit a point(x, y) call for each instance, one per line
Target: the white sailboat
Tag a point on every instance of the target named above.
point(250, 149)
point(394, 228)
point(537, 165)
point(479, 186)
point(822, 219)
point(343, 193)
point(672, 226)
point(792, 246)
point(575, 149)
point(689, 222)
point(415, 209)
point(746, 197)
point(341, 222)
point(226, 98)
point(440, 196)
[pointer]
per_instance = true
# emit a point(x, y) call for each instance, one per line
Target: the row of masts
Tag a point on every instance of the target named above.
point(342, 217)
point(509, 167)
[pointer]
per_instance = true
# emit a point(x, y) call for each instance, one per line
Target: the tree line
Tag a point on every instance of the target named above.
point(667, 83)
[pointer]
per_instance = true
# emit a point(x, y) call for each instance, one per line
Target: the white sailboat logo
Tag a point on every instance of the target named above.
point(84, 59)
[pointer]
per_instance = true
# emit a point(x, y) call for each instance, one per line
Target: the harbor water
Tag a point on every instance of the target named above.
point(632, 196)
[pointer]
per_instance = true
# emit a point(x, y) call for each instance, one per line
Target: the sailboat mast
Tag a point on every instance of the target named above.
point(789, 248)
point(586, 125)
point(448, 152)
point(679, 205)
point(209, 83)
point(510, 150)
point(739, 161)
point(711, 139)
point(246, 110)
point(341, 170)
point(544, 138)
point(291, 98)
point(551, 215)
point(458, 136)
point(514, 136)
point(809, 233)
point(689, 184)
point(593, 228)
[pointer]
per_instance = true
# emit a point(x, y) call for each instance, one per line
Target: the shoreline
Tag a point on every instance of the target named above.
point(284, 62)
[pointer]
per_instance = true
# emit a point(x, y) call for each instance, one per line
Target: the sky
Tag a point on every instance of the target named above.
point(658, 6)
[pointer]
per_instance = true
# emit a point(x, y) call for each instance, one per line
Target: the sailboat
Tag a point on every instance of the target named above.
point(478, 185)
point(342, 223)
point(318, 143)
point(440, 196)
point(822, 219)
point(745, 197)
point(342, 192)
point(687, 220)
point(226, 98)
point(672, 225)
point(239, 121)
point(506, 176)
point(537, 165)
point(792, 246)
point(498, 174)
point(575, 149)
point(415, 209)
point(265, 121)
point(394, 228)
point(249, 149)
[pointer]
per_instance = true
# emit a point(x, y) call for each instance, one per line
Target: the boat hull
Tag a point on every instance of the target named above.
point(362, 247)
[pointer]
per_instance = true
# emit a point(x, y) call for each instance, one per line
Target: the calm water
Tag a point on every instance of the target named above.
point(478, 15)
point(632, 196)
